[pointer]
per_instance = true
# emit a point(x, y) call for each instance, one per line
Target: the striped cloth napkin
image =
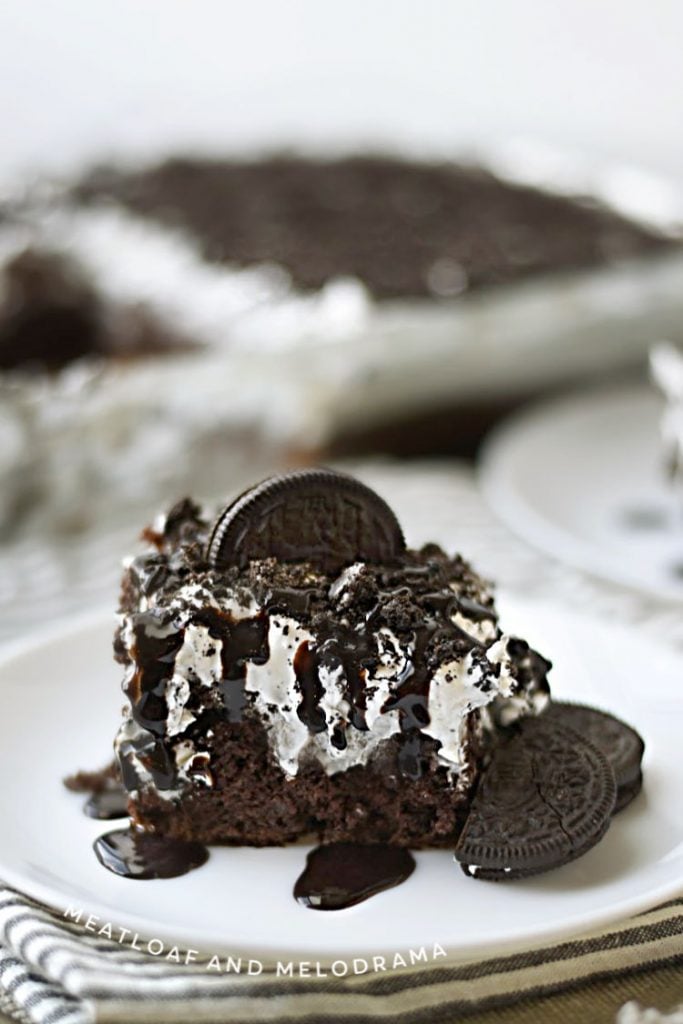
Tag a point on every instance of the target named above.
point(52, 970)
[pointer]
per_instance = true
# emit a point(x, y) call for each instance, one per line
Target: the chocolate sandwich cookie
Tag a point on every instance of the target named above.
point(314, 515)
point(621, 745)
point(546, 798)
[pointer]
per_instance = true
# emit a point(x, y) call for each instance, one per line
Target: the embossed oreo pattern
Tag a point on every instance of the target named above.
point(545, 799)
point(621, 745)
point(314, 515)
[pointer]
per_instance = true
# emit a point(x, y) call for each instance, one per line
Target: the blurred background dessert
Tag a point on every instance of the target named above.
point(165, 328)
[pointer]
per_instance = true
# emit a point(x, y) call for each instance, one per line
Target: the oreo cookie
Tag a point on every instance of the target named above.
point(621, 745)
point(546, 798)
point(309, 515)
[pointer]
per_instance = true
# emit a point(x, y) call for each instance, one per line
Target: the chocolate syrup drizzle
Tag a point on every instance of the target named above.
point(336, 876)
point(131, 853)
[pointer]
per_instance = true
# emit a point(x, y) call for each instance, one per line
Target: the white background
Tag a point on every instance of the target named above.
point(81, 78)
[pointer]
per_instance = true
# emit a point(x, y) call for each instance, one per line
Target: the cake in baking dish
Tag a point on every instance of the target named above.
point(205, 319)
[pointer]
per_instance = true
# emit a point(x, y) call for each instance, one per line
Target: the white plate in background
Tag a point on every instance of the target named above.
point(61, 700)
point(583, 478)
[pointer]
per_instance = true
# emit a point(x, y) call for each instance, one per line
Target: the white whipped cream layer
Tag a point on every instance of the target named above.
point(482, 679)
point(199, 659)
point(458, 688)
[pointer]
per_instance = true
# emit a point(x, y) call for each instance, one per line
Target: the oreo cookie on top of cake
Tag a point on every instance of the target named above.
point(293, 669)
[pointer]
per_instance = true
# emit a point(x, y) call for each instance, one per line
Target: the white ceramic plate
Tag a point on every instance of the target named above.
point(583, 478)
point(60, 704)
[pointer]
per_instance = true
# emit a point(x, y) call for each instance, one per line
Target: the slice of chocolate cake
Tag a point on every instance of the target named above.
point(293, 668)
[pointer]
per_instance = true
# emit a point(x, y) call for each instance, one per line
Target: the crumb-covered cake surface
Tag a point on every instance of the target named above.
point(403, 228)
point(276, 698)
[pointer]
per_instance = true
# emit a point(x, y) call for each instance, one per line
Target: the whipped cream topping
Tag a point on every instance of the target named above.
point(459, 687)
point(274, 690)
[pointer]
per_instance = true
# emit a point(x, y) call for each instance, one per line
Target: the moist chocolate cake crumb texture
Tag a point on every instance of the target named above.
point(406, 229)
point(95, 782)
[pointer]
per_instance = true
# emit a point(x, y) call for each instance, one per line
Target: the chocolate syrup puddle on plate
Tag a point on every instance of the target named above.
point(131, 853)
point(340, 875)
point(107, 804)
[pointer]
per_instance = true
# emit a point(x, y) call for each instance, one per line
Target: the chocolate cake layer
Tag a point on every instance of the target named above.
point(405, 229)
point(251, 803)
